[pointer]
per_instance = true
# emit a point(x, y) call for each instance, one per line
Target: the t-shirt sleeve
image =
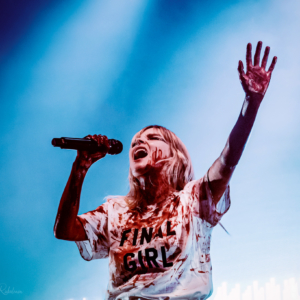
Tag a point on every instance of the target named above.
point(95, 224)
point(203, 203)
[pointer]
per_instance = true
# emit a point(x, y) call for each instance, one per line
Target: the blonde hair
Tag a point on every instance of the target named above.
point(178, 169)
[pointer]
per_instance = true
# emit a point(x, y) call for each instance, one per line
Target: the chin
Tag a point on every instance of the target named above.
point(139, 171)
point(144, 170)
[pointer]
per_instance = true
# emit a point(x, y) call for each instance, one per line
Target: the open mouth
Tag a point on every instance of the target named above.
point(140, 153)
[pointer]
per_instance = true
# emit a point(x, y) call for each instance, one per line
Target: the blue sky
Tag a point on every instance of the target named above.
point(73, 68)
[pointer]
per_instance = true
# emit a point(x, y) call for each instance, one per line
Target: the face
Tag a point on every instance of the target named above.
point(148, 151)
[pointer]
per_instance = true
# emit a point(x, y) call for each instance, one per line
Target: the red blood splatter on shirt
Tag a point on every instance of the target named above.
point(120, 218)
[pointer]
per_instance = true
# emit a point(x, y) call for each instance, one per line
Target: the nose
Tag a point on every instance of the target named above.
point(140, 141)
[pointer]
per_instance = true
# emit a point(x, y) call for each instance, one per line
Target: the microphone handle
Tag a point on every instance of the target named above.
point(80, 144)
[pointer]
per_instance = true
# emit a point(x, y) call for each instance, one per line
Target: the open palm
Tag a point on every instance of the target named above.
point(256, 80)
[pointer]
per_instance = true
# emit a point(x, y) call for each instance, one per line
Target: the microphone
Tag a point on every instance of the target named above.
point(115, 146)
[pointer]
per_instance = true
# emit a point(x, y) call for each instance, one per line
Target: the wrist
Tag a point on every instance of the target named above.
point(251, 105)
point(254, 98)
point(81, 165)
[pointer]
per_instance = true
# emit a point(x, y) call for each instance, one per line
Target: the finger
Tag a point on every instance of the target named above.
point(241, 69)
point(95, 137)
point(99, 140)
point(265, 58)
point(159, 158)
point(105, 141)
point(243, 77)
point(273, 63)
point(154, 156)
point(248, 56)
point(160, 154)
point(257, 53)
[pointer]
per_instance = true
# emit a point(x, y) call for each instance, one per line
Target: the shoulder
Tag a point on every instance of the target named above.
point(193, 187)
point(114, 203)
point(190, 192)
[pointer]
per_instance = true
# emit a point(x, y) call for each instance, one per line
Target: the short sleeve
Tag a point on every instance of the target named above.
point(203, 203)
point(95, 224)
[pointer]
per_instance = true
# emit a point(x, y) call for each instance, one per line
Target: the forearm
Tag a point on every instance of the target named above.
point(222, 169)
point(240, 133)
point(69, 204)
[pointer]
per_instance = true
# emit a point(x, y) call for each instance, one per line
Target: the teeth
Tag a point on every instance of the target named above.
point(140, 150)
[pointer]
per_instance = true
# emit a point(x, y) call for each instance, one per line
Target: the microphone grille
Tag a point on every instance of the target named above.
point(116, 147)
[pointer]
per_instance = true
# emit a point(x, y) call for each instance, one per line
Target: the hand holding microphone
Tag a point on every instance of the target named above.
point(91, 148)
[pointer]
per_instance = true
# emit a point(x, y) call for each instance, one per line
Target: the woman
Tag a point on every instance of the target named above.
point(157, 237)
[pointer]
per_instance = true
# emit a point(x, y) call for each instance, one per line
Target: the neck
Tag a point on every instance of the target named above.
point(155, 187)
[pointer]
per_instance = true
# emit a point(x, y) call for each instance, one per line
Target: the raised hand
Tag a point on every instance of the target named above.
point(256, 80)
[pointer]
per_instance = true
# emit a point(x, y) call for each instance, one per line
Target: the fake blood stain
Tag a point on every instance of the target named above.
point(146, 238)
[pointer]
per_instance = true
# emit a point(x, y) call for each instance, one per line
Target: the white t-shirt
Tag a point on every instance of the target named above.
point(161, 253)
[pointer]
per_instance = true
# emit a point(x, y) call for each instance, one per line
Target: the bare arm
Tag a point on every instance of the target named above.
point(255, 83)
point(67, 226)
